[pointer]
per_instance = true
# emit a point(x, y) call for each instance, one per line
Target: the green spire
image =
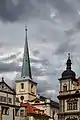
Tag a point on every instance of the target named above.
point(26, 69)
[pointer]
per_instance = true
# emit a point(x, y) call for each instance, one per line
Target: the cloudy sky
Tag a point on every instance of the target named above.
point(53, 31)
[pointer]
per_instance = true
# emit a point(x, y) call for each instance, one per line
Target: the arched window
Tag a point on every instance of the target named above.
point(64, 87)
point(22, 85)
point(32, 90)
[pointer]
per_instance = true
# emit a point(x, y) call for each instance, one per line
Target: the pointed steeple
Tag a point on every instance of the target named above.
point(26, 69)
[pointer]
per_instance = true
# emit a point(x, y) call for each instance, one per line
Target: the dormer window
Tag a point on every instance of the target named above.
point(64, 87)
point(22, 85)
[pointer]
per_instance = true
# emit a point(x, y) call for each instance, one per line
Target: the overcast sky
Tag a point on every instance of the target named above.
point(53, 31)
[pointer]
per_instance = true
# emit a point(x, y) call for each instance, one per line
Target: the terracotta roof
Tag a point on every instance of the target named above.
point(78, 81)
point(42, 98)
point(33, 110)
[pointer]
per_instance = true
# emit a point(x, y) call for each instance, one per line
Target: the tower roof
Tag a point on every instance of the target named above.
point(26, 69)
point(68, 73)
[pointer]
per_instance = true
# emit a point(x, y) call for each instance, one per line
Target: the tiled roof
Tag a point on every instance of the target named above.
point(33, 110)
point(37, 101)
point(78, 81)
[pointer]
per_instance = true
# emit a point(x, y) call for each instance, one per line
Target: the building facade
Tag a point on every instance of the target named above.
point(50, 107)
point(9, 106)
point(25, 89)
point(34, 113)
point(69, 94)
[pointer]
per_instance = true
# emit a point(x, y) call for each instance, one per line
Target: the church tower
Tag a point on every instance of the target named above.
point(69, 95)
point(25, 86)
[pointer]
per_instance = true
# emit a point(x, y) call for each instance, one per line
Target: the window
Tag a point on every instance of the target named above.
point(21, 113)
point(65, 88)
point(75, 106)
point(22, 85)
point(10, 100)
point(72, 106)
point(3, 99)
point(16, 112)
point(32, 88)
point(22, 97)
point(5, 111)
point(69, 106)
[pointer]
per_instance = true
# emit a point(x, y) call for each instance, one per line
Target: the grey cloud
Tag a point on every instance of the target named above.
point(43, 61)
point(29, 8)
point(20, 59)
point(37, 71)
point(62, 6)
point(43, 86)
point(51, 95)
point(10, 57)
point(48, 84)
point(36, 52)
point(65, 47)
point(48, 70)
point(77, 25)
point(26, 9)
point(8, 11)
point(52, 30)
point(70, 32)
point(9, 67)
point(35, 61)
point(11, 12)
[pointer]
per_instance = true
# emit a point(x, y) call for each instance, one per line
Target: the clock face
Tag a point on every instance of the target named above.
point(22, 97)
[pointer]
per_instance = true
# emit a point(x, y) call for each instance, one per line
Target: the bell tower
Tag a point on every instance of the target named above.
point(25, 86)
point(68, 87)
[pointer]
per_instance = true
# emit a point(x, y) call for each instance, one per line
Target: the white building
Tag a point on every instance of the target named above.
point(50, 107)
point(69, 94)
point(9, 106)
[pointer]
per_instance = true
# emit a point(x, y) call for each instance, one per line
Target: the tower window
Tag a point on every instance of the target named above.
point(22, 85)
point(32, 88)
point(22, 97)
point(65, 88)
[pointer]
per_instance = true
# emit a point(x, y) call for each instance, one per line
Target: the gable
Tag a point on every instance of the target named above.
point(6, 88)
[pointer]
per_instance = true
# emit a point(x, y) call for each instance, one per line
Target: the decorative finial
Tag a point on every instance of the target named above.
point(69, 62)
point(2, 79)
point(68, 56)
point(25, 28)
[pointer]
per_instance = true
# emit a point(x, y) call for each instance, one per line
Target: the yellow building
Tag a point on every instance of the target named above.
point(25, 89)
